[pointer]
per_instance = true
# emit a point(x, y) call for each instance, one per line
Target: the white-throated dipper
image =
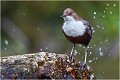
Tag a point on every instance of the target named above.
point(76, 29)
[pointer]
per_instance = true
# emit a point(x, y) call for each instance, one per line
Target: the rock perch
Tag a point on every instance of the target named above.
point(43, 65)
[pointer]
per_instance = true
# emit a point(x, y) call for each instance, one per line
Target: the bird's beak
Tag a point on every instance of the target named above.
point(63, 15)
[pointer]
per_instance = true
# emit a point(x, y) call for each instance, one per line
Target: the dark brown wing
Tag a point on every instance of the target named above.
point(88, 27)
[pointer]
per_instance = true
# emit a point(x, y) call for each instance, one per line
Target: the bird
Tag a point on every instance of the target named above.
point(76, 30)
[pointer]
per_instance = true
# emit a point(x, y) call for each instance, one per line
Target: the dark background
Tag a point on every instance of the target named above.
point(34, 26)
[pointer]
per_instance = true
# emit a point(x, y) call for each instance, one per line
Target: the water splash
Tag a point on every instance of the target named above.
point(104, 11)
point(101, 53)
point(93, 59)
point(103, 16)
point(100, 49)
point(94, 45)
point(88, 67)
point(103, 28)
point(90, 61)
point(90, 52)
point(75, 52)
point(91, 76)
point(93, 31)
point(106, 39)
point(114, 5)
point(41, 49)
point(110, 12)
point(94, 12)
point(98, 26)
point(107, 4)
point(46, 47)
point(6, 42)
point(94, 17)
point(5, 48)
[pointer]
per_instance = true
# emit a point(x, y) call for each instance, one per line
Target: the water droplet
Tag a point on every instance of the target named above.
point(5, 48)
point(103, 15)
point(93, 16)
point(46, 48)
point(75, 52)
point(92, 28)
point(93, 59)
point(101, 53)
point(88, 67)
point(114, 5)
point(107, 4)
point(102, 27)
point(90, 61)
point(88, 47)
point(6, 42)
point(90, 52)
point(91, 76)
point(40, 49)
point(110, 12)
point(106, 40)
point(98, 26)
point(94, 12)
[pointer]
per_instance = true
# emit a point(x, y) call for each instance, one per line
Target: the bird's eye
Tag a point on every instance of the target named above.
point(70, 13)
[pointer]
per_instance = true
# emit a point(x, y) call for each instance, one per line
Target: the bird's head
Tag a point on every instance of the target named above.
point(70, 15)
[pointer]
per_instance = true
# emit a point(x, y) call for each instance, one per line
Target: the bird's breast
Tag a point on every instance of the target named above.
point(74, 29)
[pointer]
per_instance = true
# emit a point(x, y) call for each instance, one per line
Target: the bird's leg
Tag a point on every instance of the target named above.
point(86, 51)
point(72, 52)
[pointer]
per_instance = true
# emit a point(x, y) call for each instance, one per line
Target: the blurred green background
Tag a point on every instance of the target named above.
point(34, 26)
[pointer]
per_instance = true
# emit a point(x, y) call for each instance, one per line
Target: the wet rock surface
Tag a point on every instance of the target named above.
point(43, 65)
